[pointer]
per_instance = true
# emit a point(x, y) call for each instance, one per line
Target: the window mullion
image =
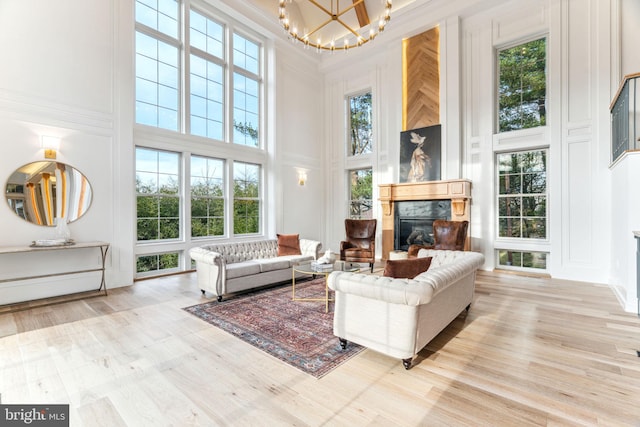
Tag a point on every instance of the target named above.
point(229, 70)
point(186, 67)
point(151, 32)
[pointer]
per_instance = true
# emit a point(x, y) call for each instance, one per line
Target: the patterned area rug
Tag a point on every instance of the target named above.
point(297, 332)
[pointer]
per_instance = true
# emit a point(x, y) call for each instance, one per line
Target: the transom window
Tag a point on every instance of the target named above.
point(149, 265)
point(207, 82)
point(157, 82)
point(522, 86)
point(188, 74)
point(509, 259)
point(360, 124)
point(522, 194)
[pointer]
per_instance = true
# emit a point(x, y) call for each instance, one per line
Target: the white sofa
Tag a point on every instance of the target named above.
point(228, 268)
point(398, 317)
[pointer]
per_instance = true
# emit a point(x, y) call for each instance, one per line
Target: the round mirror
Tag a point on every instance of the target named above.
point(41, 192)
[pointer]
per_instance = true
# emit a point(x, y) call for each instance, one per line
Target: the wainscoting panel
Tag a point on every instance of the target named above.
point(579, 207)
point(578, 61)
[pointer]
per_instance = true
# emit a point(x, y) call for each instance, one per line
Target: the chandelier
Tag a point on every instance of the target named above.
point(333, 15)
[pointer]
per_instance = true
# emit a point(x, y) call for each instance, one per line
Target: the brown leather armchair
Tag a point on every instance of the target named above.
point(360, 243)
point(449, 235)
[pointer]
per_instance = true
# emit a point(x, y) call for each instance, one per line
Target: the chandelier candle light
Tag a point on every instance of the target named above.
point(355, 36)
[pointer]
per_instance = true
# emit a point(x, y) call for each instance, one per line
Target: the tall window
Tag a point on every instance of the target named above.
point(246, 91)
point(220, 69)
point(522, 195)
point(198, 73)
point(522, 86)
point(360, 126)
point(206, 77)
point(158, 194)
point(359, 147)
point(157, 64)
point(207, 197)
point(360, 194)
point(246, 198)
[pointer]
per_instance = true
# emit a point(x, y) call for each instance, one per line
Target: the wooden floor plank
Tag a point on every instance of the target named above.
point(531, 352)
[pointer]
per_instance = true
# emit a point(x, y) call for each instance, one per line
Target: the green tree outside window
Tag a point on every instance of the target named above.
point(158, 195)
point(246, 198)
point(522, 194)
point(360, 127)
point(522, 86)
point(361, 194)
point(207, 197)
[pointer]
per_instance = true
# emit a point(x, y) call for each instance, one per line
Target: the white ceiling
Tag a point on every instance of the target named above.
point(304, 15)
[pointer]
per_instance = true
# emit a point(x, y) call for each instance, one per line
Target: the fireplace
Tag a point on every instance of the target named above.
point(414, 221)
point(401, 224)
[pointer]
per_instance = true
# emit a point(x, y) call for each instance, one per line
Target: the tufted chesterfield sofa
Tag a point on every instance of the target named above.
point(227, 268)
point(398, 317)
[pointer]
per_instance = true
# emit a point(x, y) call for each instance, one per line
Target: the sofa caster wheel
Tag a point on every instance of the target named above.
point(406, 363)
point(468, 308)
point(202, 290)
point(343, 343)
point(219, 298)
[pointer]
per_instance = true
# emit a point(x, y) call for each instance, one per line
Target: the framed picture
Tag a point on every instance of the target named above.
point(420, 154)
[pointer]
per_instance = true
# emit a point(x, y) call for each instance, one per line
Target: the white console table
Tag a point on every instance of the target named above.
point(103, 247)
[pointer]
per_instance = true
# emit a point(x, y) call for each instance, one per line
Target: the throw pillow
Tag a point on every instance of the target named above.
point(289, 244)
point(406, 268)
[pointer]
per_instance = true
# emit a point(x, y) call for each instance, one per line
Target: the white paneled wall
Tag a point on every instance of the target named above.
point(625, 174)
point(580, 46)
point(299, 146)
point(68, 71)
point(58, 79)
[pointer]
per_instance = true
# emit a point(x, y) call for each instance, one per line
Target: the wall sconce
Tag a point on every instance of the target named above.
point(50, 145)
point(302, 177)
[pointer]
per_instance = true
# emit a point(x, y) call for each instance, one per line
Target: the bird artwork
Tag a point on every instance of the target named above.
point(420, 152)
point(420, 161)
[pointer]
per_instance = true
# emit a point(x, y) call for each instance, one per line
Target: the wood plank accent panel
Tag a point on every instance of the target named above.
point(421, 80)
point(456, 190)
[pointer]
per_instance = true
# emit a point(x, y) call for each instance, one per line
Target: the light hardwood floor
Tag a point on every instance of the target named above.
point(531, 352)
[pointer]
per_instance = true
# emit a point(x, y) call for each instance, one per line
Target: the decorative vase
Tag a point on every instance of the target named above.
point(62, 229)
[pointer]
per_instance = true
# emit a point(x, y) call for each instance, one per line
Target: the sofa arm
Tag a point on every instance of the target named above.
point(310, 247)
point(211, 270)
point(395, 291)
point(205, 255)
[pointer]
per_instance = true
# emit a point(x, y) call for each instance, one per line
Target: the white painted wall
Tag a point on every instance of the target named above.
point(626, 199)
point(58, 79)
point(299, 145)
point(580, 46)
point(629, 33)
point(577, 119)
point(68, 71)
point(625, 173)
